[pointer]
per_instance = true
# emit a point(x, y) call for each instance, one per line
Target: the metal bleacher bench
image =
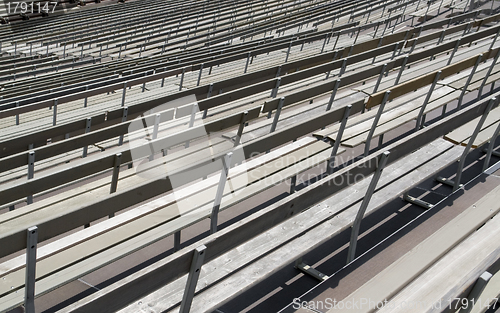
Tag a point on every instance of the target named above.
point(309, 217)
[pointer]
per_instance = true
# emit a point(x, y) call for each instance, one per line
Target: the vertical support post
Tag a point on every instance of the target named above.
point(87, 129)
point(333, 59)
point(17, 115)
point(293, 183)
point(440, 4)
point(182, 78)
point(274, 92)
point(334, 93)
point(226, 164)
point(278, 72)
point(248, 60)
point(324, 43)
point(440, 40)
point(155, 132)
point(427, 11)
point(209, 94)
point(480, 92)
point(468, 81)
point(494, 39)
point(191, 120)
point(288, 51)
point(124, 118)
point(395, 50)
point(124, 92)
point(466, 29)
point(331, 161)
point(177, 240)
point(31, 172)
point(375, 122)
point(277, 114)
point(29, 290)
point(192, 280)
point(405, 61)
point(453, 52)
point(199, 75)
point(380, 78)
point(54, 115)
point(490, 148)
point(85, 100)
point(351, 254)
point(342, 68)
point(336, 41)
point(426, 100)
point(144, 83)
point(378, 46)
point(243, 121)
point(116, 172)
point(416, 40)
point(350, 50)
point(476, 292)
point(479, 125)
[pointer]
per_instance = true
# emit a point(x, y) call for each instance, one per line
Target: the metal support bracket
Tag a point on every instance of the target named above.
point(351, 254)
point(31, 172)
point(375, 122)
point(226, 164)
point(177, 240)
point(490, 69)
point(421, 203)
point(124, 118)
point(199, 75)
point(29, 290)
point(88, 123)
point(182, 78)
point(420, 120)
point(468, 81)
point(476, 291)
point(401, 69)
point(192, 280)
point(331, 161)
point(116, 172)
point(243, 121)
point(274, 92)
point(471, 141)
point(379, 78)
point(453, 52)
point(191, 121)
point(334, 93)
point(54, 115)
point(124, 92)
point(306, 269)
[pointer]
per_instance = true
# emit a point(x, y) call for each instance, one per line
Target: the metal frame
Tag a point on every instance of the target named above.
point(226, 165)
point(351, 254)
point(192, 280)
point(489, 150)
point(476, 291)
point(375, 122)
point(421, 117)
point(468, 81)
point(456, 183)
point(29, 290)
point(330, 163)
